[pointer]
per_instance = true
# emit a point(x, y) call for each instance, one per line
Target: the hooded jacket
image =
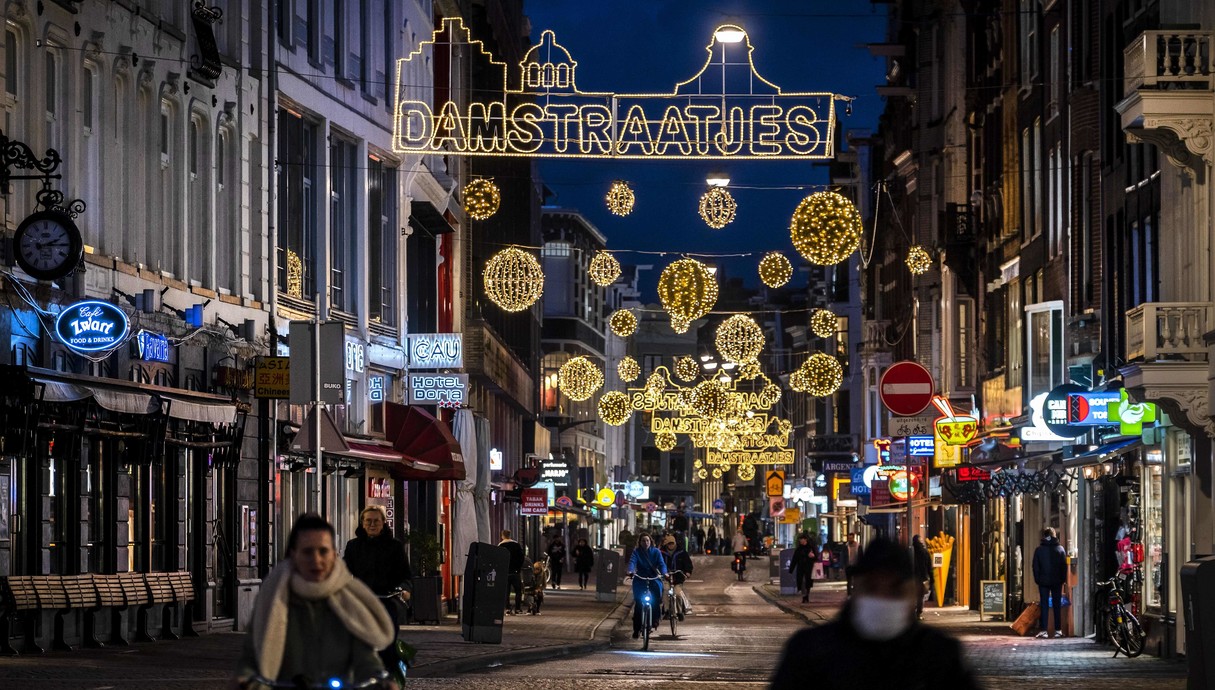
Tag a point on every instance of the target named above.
point(380, 562)
point(1050, 563)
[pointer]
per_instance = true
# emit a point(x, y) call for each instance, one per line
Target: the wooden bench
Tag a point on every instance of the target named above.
point(135, 593)
point(183, 593)
point(20, 599)
point(160, 591)
point(81, 596)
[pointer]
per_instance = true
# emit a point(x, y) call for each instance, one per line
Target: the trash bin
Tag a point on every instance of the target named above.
point(607, 574)
point(1198, 605)
point(484, 598)
point(788, 581)
point(774, 565)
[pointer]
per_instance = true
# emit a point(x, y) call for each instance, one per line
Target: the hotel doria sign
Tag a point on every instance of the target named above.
point(727, 110)
point(92, 326)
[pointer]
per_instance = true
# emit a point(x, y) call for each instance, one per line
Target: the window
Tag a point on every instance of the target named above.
point(344, 226)
point(297, 228)
point(340, 61)
point(198, 216)
point(90, 182)
point(227, 228)
point(1055, 84)
point(382, 238)
point(283, 20)
point(650, 363)
point(364, 62)
point(10, 64)
point(54, 137)
point(171, 196)
point(314, 31)
point(964, 333)
point(1027, 211)
point(1028, 21)
point(677, 466)
point(649, 463)
point(1086, 232)
point(1015, 340)
point(1052, 171)
point(1036, 176)
point(1045, 347)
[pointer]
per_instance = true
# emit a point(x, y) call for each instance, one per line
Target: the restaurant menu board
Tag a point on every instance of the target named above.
point(992, 598)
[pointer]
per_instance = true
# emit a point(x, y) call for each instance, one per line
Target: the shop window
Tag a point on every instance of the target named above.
point(1153, 527)
point(649, 464)
point(677, 466)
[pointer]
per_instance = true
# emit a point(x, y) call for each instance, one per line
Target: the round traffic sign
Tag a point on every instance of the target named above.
point(651, 507)
point(906, 388)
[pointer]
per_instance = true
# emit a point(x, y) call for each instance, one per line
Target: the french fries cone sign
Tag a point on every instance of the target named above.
point(942, 544)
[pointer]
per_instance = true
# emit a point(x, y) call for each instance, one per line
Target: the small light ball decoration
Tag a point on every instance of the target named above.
point(717, 473)
point(717, 207)
point(918, 260)
point(628, 369)
point(481, 199)
point(686, 368)
point(826, 228)
point(579, 378)
point(770, 394)
point(698, 463)
point(749, 371)
point(775, 270)
point(664, 441)
point(711, 399)
point(623, 323)
point(739, 339)
point(746, 472)
point(823, 323)
point(620, 198)
point(823, 374)
point(684, 398)
point(702, 473)
point(513, 279)
point(614, 408)
point(687, 291)
point(798, 381)
point(604, 269)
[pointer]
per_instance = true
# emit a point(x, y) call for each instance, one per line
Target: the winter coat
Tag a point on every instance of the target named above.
point(516, 555)
point(380, 562)
point(834, 656)
point(1050, 563)
point(739, 543)
point(803, 558)
point(584, 558)
point(556, 555)
point(678, 560)
point(922, 563)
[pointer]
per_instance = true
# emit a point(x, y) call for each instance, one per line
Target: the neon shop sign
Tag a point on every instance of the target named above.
point(92, 326)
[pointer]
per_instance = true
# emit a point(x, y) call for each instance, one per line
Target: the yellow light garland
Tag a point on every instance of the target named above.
point(620, 198)
point(664, 441)
point(826, 228)
point(513, 279)
point(604, 269)
point(579, 378)
point(739, 339)
point(749, 371)
point(687, 291)
point(686, 368)
point(717, 207)
point(614, 408)
point(823, 374)
point(628, 369)
point(770, 394)
point(623, 323)
point(746, 472)
point(481, 199)
point(918, 260)
point(775, 270)
point(823, 323)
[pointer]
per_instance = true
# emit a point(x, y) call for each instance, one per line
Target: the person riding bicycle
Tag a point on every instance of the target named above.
point(679, 565)
point(646, 567)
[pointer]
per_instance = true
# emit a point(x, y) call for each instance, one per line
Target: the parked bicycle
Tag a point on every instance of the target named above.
point(1121, 626)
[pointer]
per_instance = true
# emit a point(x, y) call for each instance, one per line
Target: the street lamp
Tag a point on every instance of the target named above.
point(730, 34)
point(717, 178)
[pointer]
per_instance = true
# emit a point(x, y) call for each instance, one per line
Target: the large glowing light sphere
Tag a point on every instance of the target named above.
point(823, 323)
point(623, 323)
point(481, 199)
point(826, 228)
point(579, 378)
point(739, 339)
point(823, 374)
point(628, 369)
point(686, 368)
point(604, 269)
point(717, 207)
point(620, 198)
point(513, 279)
point(687, 291)
point(775, 270)
point(614, 408)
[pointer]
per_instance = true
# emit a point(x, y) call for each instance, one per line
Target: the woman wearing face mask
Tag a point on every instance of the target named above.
point(878, 622)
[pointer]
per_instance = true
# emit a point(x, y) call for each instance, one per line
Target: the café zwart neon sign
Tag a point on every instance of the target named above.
point(550, 117)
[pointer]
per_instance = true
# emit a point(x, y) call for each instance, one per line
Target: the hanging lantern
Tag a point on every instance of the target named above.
point(687, 291)
point(628, 369)
point(620, 198)
point(918, 260)
point(604, 269)
point(770, 394)
point(823, 323)
point(826, 228)
point(739, 339)
point(579, 378)
point(664, 441)
point(823, 374)
point(749, 371)
point(614, 408)
point(717, 208)
point(746, 472)
point(481, 199)
point(686, 368)
point(513, 279)
point(775, 270)
point(623, 323)
point(711, 399)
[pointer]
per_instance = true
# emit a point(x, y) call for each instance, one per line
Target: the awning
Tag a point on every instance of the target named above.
point(55, 391)
point(421, 438)
point(1104, 453)
point(212, 413)
point(128, 397)
point(385, 454)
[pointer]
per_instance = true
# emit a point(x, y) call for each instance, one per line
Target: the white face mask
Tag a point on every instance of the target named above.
point(880, 619)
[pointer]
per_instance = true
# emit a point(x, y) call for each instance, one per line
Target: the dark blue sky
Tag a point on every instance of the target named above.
point(800, 45)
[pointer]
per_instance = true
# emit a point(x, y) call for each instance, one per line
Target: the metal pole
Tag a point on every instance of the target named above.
point(907, 471)
point(317, 410)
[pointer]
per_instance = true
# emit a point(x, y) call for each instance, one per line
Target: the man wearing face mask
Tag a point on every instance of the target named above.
point(878, 622)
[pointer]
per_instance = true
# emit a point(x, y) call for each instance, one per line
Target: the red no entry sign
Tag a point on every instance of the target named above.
point(906, 388)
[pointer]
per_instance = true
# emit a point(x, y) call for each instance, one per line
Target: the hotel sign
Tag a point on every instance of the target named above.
point(436, 351)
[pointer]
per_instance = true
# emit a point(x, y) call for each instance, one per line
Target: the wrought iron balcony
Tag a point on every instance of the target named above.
point(874, 336)
point(1168, 330)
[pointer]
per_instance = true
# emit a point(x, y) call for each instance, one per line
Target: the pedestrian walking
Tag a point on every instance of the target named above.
point(802, 566)
point(875, 641)
point(852, 554)
point(514, 578)
point(584, 561)
point(713, 539)
point(1050, 572)
point(699, 534)
point(313, 619)
point(556, 561)
point(377, 559)
point(923, 572)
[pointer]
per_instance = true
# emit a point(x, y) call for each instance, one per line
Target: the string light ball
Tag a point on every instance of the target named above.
point(739, 339)
point(579, 378)
point(513, 279)
point(749, 371)
point(717, 207)
point(711, 399)
point(770, 394)
point(664, 441)
point(702, 473)
point(623, 323)
point(826, 228)
point(746, 472)
point(686, 368)
point(918, 260)
point(604, 269)
point(620, 198)
point(628, 369)
point(775, 270)
point(823, 323)
point(717, 473)
point(823, 374)
point(614, 408)
point(687, 291)
point(798, 381)
point(481, 199)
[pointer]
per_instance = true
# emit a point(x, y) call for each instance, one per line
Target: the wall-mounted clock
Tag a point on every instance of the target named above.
point(48, 245)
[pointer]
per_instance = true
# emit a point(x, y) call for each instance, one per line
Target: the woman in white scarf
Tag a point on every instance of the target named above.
point(313, 620)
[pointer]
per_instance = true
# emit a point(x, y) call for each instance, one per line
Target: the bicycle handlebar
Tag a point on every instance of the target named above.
point(302, 684)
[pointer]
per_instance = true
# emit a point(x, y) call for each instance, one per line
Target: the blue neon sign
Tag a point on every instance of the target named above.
point(153, 347)
point(92, 326)
point(921, 446)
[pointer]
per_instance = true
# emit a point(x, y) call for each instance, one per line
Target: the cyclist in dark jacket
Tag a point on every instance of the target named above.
point(1050, 572)
point(377, 559)
point(514, 579)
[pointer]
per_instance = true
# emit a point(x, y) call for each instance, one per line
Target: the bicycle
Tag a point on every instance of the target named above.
point(257, 682)
point(399, 656)
point(740, 565)
point(647, 612)
point(1121, 626)
point(675, 608)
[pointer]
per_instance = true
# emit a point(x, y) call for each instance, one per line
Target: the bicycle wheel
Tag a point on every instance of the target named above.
point(646, 621)
point(673, 611)
point(1131, 636)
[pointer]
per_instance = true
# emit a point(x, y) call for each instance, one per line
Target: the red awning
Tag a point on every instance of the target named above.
point(421, 438)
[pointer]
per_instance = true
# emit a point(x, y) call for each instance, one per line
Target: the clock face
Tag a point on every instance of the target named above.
point(48, 245)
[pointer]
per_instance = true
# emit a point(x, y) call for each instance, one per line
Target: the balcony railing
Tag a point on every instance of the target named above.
point(1168, 330)
point(874, 336)
point(1170, 59)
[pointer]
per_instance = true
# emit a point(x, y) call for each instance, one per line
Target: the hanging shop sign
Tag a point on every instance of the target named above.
point(153, 347)
point(781, 456)
point(432, 389)
point(1130, 416)
point(1089, 408)
point(495, 460)
point(904, 485)
point(1054, 411)
point(555, 471)
point(533, 502)
point(375, 388)
point(838, 465)
point(1038, 430)
point(356, 356)
point(952, 428)
point(921, 446)
point(436, 351)
point(272, 378)
point(970, 473)
point(859, 483)
point(798, 494)
point(91, 326)
point(719, 506)
point(550, 117)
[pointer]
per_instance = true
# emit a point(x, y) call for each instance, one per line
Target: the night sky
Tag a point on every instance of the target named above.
point(808, 45)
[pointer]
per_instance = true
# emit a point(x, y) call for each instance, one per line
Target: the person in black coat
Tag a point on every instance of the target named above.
point(378, 560)
point(514, 579)
point(1050, 572)
point(556, 561)
point(923, 571)
point(584, 561)
point(876, 641)
point(802, 566)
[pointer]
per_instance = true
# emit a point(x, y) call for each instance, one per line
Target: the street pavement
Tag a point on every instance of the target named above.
point(732, 639)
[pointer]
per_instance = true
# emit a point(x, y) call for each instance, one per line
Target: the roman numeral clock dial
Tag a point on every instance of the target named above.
point(48, 245)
